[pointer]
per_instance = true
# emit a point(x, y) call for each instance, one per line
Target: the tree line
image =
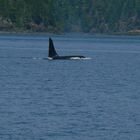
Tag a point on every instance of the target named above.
point(91, 16)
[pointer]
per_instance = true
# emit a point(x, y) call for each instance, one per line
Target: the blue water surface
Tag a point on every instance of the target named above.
point(95, 99)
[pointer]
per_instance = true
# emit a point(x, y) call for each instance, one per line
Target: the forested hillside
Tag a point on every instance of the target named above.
point(92, 16)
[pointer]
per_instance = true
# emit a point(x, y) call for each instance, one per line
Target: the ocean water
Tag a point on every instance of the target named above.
point(95, 99)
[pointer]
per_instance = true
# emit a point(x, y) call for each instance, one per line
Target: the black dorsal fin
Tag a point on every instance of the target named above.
point(52, 51)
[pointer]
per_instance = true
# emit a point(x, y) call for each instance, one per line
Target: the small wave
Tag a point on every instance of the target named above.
point(37, 58)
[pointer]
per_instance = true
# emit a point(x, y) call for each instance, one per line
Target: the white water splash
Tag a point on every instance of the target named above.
point(78, 58)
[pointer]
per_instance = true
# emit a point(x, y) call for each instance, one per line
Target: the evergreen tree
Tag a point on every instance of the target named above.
point(71, 15)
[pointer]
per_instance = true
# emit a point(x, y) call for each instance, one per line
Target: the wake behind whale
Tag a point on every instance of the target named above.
point(53, 55)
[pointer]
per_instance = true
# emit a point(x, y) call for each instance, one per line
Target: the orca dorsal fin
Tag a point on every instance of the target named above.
point(52, 52)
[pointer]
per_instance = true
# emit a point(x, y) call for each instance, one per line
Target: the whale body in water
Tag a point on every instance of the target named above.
point(53, 55)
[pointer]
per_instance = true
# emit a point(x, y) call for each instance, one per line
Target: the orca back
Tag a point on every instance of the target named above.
point(52, 52)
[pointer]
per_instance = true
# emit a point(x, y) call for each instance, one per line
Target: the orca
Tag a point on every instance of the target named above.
point(53, 55)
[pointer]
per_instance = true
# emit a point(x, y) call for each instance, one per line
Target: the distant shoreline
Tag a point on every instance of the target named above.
point(129, 33)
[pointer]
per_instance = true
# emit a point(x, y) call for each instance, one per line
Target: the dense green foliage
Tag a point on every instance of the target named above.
point(95, 16)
